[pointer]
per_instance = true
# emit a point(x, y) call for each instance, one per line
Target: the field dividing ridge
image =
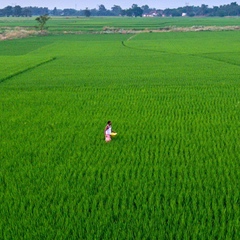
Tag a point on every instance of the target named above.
point(231, 58)
point(24, 70)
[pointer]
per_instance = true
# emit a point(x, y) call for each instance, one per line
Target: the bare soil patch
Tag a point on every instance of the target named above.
point(173, 29)
point(18, 32)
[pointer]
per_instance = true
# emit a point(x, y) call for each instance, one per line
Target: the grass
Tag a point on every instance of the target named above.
point(96, 24)
point(171, 172)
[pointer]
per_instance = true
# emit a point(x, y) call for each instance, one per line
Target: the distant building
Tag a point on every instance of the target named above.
point(151, 14)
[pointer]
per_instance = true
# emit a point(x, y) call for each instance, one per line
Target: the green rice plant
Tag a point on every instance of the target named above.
point(172, 170)
point(98, 24)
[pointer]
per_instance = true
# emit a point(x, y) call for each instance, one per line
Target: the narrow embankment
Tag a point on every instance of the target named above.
point(14, 74)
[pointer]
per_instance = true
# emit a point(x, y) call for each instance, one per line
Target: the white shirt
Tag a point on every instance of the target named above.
point(109, 130)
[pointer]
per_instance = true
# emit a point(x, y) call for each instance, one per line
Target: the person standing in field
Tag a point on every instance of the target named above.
point(108, 131)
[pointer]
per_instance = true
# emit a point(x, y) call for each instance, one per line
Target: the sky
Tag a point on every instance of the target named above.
point(83, 4)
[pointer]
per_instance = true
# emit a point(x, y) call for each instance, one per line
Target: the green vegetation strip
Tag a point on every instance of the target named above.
point(121, 24)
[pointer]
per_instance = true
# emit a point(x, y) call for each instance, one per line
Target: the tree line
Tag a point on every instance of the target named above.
point(232, 9)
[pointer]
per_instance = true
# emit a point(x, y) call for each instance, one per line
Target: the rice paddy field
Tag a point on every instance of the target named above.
point(172, 171)
point(94, 24)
